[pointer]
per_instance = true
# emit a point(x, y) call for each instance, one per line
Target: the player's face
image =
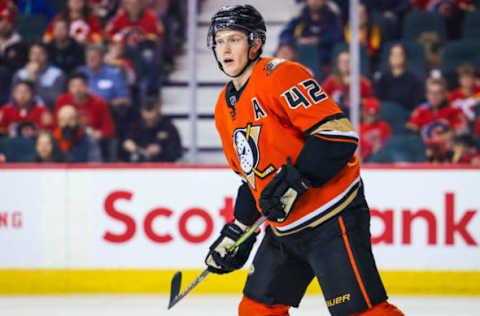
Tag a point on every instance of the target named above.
point(94, 59)
point(44, 146)
point(435, 94)
point(467, 81)
point(60, 30)
point(38, 55)
point(343, 63)
point(22, 95)
point(76, 5)
point(362, 14)
point(78, 88)
point(397, 56)
point(232, 50)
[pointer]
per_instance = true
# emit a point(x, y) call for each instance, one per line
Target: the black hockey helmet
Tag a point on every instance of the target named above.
point(238, 17)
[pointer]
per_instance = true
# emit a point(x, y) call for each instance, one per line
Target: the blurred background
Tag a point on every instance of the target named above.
point(112, 174)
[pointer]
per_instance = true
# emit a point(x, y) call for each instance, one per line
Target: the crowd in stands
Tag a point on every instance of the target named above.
point(420, 74)
point(80, 80)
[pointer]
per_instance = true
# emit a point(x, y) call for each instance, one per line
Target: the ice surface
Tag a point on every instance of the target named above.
point(207, 305)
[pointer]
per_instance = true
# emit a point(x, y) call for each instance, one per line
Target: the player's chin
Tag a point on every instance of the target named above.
point(231, 71)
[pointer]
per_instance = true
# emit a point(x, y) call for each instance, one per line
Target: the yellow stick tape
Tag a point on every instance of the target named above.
point(158, 281)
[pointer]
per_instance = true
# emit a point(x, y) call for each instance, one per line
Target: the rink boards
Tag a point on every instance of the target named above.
point(128, 228)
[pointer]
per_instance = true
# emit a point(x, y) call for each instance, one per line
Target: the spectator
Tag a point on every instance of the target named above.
point(436, 108)
point(65, 52)
point(465, 151)
point(94, 115)
point(109, 83)
point(142, 31)
point(173, 15)
point(29, 7)
point(392, 11)
point(84, 25)
point(104, 9)
point(337, 85)
point(438, 138)
point(136, 23)
point(398, 83)
point(49, 80)
point(75, 143)
point(451, 10)
point(160, 6)
point(104, 80)
point(153, 138)
point(373, 132)
point(23, 115)
point(46, 149)
point(13, 51)
point(316, 25)
point(287, 51)
point(468, 94)
point(116, 57)
point(370, 34)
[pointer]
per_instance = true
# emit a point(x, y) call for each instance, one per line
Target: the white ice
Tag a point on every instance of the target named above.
point(207, 305)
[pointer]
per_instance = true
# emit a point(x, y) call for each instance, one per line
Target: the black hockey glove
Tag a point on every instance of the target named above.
point(220, 260)
point(278, 198)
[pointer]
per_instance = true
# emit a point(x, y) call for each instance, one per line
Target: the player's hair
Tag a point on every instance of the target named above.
point(98, 48)
point(78, 75)
point(336, 72)
point(28, 83)
point(402, 47)
point(466, 70)
point(40, 44)
point(437, 80)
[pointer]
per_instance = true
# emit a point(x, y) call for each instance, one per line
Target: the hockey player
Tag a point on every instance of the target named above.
point(294, 149)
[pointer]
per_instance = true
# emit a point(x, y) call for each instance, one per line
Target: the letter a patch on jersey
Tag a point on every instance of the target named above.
point(245, 142)
point(258, 111)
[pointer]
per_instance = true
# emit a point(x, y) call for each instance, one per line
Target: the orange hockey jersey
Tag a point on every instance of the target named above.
point(279, 107)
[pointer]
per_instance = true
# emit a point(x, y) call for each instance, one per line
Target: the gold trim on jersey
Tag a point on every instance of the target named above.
point(342, 125)
point(340, 207)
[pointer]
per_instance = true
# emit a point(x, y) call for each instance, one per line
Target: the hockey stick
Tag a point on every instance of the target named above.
point(175, 297)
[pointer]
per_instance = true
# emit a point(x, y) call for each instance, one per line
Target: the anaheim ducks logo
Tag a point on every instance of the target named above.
point(273, 64)
point(245, 142)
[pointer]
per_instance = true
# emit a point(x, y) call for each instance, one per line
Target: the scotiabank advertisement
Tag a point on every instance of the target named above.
point(166, 218)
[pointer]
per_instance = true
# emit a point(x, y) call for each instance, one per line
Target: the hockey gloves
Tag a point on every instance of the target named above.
point(220, 260)
point(278, 198)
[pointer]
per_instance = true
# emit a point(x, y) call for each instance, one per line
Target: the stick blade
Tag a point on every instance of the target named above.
point(175, 288)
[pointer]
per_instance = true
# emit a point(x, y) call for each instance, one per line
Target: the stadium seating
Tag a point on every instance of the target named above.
point(31, 27)
point(417, 23)
point(396, 116)
point(457, 53)
point(401, 148)
point(58, 4)
point(308, 56)
point(389, 29)
point(471, 26)
point(18, 149)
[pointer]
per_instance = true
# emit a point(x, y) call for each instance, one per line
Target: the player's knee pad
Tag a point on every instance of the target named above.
point(250, 307)
point(382, 309)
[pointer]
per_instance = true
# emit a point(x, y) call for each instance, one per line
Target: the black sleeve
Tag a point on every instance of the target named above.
point(320, 159)
point(245, 210)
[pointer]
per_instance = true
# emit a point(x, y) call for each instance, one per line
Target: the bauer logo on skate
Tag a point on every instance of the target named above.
point(338, 300)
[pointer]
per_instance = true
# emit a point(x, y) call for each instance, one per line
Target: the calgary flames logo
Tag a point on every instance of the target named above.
point(245, 142)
